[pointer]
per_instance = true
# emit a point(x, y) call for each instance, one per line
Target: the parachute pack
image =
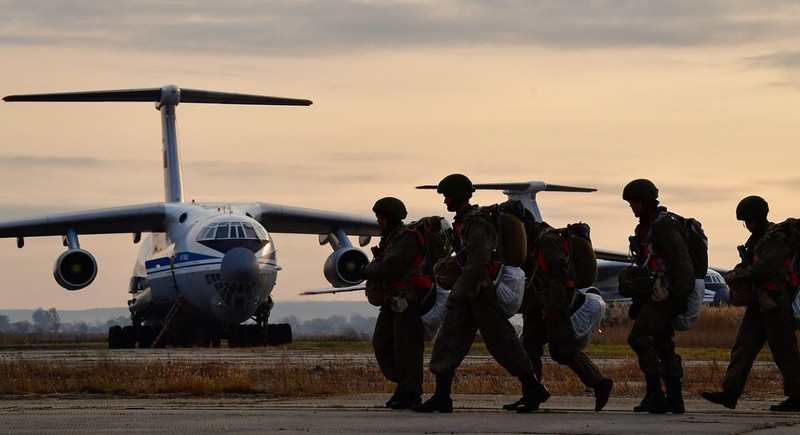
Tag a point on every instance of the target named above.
point(511, 246)
point(791, 230)
point(696, 242)
point(435, 246)
point(580, 253)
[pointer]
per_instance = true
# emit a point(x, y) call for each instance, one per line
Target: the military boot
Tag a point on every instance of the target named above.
point(533, 394)
point(393, 399)
point(406, 400)
point(674, 396)
point(724, 398)
point(601, 393)
point(792, 404)
point(440, 401)
point(654, 401)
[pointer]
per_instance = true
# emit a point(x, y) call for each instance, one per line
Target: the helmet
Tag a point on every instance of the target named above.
point(456, 185)
point(641, 188)
point(752, 207)
point(390, 207)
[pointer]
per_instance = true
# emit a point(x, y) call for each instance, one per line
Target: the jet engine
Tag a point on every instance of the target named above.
point(75, 269)
point(343, 267)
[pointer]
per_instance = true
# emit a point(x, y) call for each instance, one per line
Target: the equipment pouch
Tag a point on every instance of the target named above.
point(742, 294)
point(635, 281)
point(375, 292)
point(660, 291)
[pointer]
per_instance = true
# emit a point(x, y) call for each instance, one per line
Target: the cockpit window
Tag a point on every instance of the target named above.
point(224, 236)
point(232, 230)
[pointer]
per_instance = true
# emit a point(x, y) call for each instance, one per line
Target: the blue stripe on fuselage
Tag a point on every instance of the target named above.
point(181, 257)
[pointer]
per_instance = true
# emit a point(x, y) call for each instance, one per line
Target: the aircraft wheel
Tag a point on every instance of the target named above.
point(128, 337)
point(115, 337)
point(147, 335)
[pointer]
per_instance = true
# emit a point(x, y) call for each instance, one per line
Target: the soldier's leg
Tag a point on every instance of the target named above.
point(452, 344)
point(408, 350)
point(779, 328)
point(648, 322)
point(749, 341)
point(504, 345)
point(534, 337)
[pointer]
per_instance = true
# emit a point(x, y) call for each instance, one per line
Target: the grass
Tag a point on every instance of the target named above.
point(705, 350)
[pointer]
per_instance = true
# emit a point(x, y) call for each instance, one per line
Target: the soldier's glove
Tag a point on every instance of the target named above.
point(399, 304)
point(680, 306)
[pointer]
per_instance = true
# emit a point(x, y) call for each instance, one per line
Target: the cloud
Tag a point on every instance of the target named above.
point(328, 27)
point(30, 162)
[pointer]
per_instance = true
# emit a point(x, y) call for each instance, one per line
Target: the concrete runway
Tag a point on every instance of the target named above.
point(363, 414)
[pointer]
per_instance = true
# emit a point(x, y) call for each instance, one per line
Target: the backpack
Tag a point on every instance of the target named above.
point(791, 231)
point(580, 253)
point(696, 242)
point(435, 246)
point(512, 244)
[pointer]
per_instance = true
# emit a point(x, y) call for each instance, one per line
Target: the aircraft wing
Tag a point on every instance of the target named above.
point(286, 219)
point(127, 219)
point(603, 254)
point(334, 290)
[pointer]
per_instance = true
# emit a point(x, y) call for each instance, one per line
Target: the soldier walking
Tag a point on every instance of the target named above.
point(398, 339)
point(473, 306)
point(764, 283)
point(659, 247)
point(550, 298)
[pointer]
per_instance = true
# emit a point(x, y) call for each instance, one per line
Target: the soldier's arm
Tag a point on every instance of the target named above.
point(769, 258)
point(670, 245)
point(479, 238)
point(397, 262)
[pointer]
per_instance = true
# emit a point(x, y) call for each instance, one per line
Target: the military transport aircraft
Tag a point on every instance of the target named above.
point(203, 268)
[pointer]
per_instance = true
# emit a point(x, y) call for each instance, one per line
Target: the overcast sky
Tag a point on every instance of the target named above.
point(700, 97)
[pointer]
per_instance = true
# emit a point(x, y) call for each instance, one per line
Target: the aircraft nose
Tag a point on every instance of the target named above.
point(239, 265)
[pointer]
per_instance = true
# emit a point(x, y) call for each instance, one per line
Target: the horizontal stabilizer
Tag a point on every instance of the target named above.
point(523, 187)
point(159, 95)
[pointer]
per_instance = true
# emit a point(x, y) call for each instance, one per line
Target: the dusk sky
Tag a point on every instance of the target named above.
point(701, 97)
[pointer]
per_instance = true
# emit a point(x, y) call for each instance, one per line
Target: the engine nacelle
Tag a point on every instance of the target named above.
point(75, 269)
point(343, 267)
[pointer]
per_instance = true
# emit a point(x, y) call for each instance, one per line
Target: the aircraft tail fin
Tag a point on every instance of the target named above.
point(166, 98)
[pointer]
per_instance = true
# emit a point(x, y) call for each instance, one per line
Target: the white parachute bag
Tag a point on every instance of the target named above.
point(433, 318)
point(586, 319)
point(686, 321)
point(510, 287)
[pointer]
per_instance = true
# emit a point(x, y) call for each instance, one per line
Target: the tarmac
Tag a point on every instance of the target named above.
point(364, 413)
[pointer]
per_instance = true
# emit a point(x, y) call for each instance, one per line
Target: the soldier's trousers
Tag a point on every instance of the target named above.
point(462, 320)
point(398, 341)
point(564, 350)
point(776, 328)
point(651, 337)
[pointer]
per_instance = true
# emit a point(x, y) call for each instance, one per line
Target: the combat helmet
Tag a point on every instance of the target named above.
point(456, 185)
point(390, 207)
point(752, 207)
point(640, 188)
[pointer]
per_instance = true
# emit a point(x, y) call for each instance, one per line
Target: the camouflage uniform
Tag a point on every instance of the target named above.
point(549, 320)
point(398, 339)
point(651, 336)
point(473, 306)
point(770, 322)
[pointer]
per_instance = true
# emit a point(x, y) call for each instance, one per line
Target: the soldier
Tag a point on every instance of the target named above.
point(398, 338)
point(658, 245)
point(550, 298)
point(762, 282)
point(473, 306)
